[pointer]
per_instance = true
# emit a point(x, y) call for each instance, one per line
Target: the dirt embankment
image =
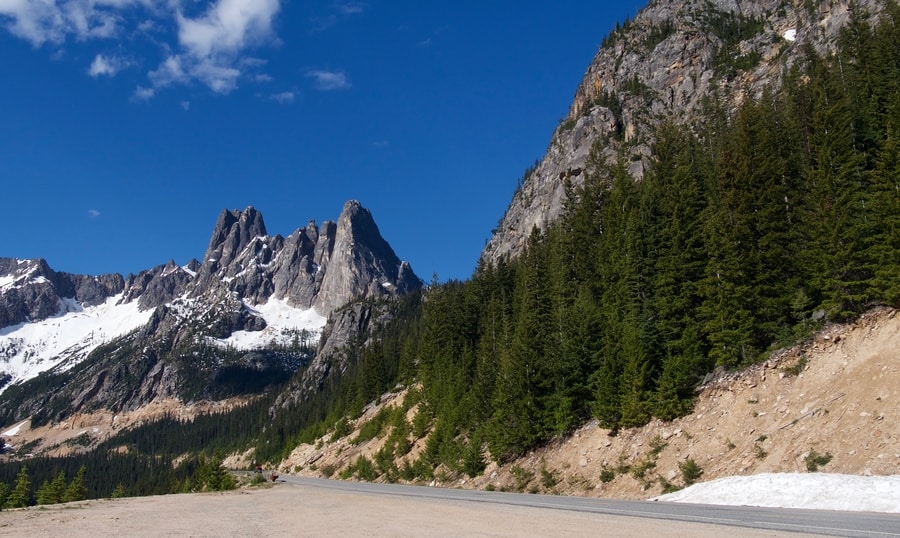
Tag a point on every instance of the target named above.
point(835, 399)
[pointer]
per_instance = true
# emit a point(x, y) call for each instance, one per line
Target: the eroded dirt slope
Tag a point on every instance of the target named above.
point(835, 398)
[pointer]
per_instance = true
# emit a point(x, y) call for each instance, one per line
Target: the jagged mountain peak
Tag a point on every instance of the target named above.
point(252, 293)
point(361, 262)
point(233, 231)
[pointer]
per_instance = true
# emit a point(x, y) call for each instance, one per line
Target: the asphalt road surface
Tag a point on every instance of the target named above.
point(816, 522)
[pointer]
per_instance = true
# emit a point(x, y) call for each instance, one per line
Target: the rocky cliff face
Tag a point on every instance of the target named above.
point(661, 67)
point(245, 318)
point(31, 290)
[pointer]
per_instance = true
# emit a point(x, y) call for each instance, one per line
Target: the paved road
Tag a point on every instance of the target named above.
point(821, 522)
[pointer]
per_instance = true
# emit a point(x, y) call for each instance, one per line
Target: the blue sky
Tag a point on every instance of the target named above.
point(126, 126)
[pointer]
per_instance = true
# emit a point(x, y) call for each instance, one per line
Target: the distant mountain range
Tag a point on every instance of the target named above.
point(247, 316)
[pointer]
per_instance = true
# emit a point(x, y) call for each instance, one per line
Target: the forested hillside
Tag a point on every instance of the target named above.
point(748, 232)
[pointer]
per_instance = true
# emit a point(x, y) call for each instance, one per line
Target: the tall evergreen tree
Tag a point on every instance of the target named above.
point(20, 496)
point(76, 490)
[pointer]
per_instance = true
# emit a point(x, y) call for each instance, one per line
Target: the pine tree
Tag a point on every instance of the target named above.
point(76, 490)
point(838, 216)
point(621, 385)
point(885, 241)
point(20, 496)
point(518, 420)
point(51, 492)
point(675, 193)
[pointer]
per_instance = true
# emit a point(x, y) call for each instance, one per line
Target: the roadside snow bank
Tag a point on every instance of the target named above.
point(821, 491)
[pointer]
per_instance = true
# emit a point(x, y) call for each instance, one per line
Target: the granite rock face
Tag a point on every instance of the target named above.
point(189, 308)
point(661, 67)
point(31, 290)
point(320, 267)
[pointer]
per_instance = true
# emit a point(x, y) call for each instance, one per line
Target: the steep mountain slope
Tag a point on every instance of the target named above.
point(667, 64)
point(721, 252)
point(805, 403)
point(245, 318)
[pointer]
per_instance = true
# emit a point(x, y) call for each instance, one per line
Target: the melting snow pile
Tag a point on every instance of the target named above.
point(821, 491)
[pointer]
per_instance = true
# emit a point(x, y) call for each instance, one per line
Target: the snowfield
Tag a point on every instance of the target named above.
point(27, 349)
point(283, 323)
point(819, 491)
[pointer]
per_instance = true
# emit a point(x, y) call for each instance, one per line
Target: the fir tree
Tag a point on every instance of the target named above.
point(76, 490)
point(20, 496)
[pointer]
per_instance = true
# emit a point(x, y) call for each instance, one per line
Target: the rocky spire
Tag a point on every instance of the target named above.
point(233, 232)
point(361, 263)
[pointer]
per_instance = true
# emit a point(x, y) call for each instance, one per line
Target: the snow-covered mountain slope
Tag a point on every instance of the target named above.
point(29, 348)
point(285, 326)
point(245, 319)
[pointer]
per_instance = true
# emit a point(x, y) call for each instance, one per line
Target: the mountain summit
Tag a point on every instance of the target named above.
point(175, 331)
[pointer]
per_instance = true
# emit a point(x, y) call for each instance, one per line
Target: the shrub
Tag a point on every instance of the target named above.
point(814, 460)
point(548, 478)
point(607, 475)
point(690, 471)
point(794, 370)
point(521, 476)
point(657, 444)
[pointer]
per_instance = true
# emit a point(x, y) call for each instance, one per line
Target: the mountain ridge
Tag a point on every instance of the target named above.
point(663, 66)
point(250, 292)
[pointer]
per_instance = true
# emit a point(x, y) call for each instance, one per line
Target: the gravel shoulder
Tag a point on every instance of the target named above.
point(290, 510)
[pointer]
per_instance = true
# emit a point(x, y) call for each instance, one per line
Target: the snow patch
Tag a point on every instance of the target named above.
point(6, 280)
point(27, 349)
point(820, 491)
point(283, 323)
point(790, 35)
point(14, 430)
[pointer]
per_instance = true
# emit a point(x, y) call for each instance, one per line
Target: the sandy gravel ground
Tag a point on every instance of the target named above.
point(289, 510)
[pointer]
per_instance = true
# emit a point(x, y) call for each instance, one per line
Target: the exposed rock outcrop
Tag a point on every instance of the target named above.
point(662, 66)
point(182, 350)
point(31, 290)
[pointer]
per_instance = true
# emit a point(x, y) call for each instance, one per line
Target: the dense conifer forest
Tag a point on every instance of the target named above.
point(748, 232)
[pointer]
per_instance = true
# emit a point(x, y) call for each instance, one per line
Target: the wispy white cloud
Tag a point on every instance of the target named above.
point(211, 45)
point(339, 10)
point(329, 80)
point(227, 27)
point(107, 65)
point(349, 8)
point(43, 21)
point(285, 98)
point(93, 213)
point(213, 36)
point(142, 94)
point(185, 105)
point(168, 73)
